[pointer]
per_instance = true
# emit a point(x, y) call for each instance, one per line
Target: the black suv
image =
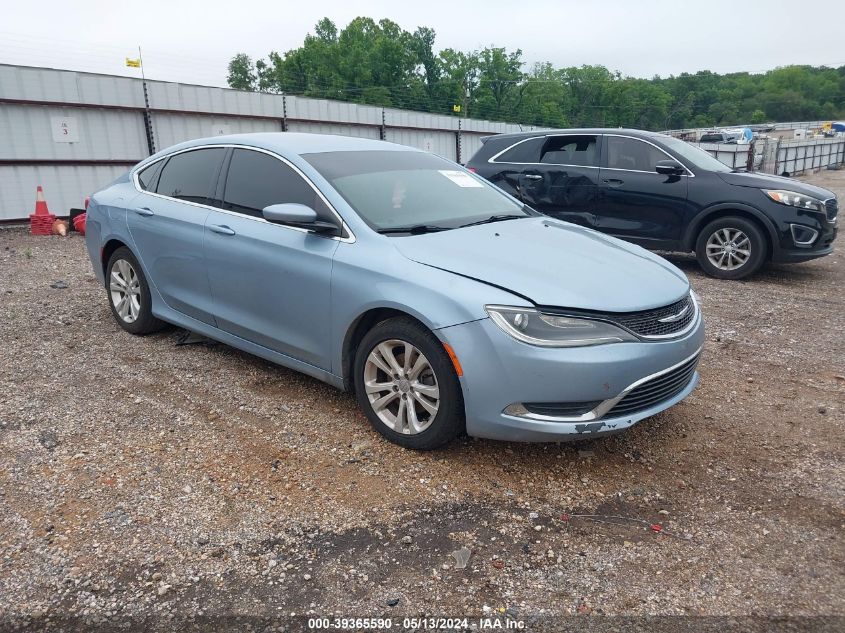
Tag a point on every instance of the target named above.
point(664, 194)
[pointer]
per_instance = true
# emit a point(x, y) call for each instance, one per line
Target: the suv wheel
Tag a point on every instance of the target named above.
point(407, 386)
point(129, 294)
point(730, 248)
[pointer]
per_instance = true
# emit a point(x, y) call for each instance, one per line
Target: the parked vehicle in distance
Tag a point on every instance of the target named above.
point(718, 137)
point(664, 194)
point(442, 302)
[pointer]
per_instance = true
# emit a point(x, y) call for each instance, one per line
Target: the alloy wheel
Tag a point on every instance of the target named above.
point(125, 290)
point(728, 249)
point(401, 386)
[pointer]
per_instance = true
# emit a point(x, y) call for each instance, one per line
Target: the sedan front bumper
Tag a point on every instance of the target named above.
point(501, 373)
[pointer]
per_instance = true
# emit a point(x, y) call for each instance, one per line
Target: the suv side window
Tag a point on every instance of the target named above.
point(579, 150)
point(148, 176)
point(632, 154)
point(527, 151)
point(191, 176)
point(257, 180)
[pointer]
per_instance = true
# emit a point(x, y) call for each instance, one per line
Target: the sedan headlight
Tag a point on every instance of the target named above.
point(793, 199)
point(548, 330)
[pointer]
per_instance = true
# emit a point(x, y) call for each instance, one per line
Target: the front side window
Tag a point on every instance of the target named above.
point(581, 150)
point(632, 154)
point(257, 180)
point(393, 189)
point(192, 175)
point(694, 155)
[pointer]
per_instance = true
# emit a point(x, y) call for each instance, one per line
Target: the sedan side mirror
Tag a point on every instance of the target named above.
point(298, 215)
point(669, 167)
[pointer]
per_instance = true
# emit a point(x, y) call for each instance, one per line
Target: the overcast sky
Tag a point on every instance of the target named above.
point(193, 41)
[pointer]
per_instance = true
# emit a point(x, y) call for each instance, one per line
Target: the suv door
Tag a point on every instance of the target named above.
point(167, 222)
point(635, 202)
point(271, 283)
point(564, 182)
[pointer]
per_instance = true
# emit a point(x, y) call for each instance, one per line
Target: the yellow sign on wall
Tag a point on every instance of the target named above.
point(133, 63)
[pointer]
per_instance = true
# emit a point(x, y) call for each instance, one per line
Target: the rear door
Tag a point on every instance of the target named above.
point(167, 223)
point(271, 283)
point(635, 202)
point(564, 181)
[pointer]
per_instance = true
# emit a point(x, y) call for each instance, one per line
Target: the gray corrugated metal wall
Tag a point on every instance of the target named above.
point(107, 114)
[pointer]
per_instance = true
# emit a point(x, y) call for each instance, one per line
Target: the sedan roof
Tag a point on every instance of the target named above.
point(288, 143)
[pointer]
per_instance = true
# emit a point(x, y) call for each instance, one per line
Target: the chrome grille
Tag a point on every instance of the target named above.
point(831, 209)
point(656, 390)
point(648, 322)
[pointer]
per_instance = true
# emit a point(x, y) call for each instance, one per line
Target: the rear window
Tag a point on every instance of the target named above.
point(711, 138)
point(527, 151)
point(579, 150)
point(192, 175)
point(147, 177)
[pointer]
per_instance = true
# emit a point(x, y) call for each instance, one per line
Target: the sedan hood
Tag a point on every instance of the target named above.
point(552, 263)
point(767, 181)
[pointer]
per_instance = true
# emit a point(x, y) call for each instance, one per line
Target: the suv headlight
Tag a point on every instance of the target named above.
point(548, 330)
point(793, 199)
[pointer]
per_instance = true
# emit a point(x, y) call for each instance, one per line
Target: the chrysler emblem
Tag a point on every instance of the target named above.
point(674, 317)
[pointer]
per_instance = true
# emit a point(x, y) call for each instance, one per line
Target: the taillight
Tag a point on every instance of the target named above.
point(87, 200)
point(473, 170)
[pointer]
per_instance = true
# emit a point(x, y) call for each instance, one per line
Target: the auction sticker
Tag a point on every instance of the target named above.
point(460, 178)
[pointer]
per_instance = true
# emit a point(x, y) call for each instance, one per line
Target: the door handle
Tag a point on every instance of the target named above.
point(613, 182)
point(222, 229)
point(145, 211)
point(532, 176)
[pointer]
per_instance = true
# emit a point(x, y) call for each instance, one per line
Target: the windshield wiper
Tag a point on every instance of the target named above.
point(494, 218)
point(416, 229)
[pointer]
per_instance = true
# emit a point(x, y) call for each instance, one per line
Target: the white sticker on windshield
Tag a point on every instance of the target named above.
point(460, 178)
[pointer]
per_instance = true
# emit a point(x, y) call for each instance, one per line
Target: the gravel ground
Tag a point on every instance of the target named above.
point(140, 479)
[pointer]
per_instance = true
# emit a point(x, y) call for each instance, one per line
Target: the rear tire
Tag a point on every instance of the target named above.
point(731, 248)
point(407, 386)
point(129, 294)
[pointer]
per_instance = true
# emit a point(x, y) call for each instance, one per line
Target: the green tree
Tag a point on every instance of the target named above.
point(241, 73)
point(380, 63)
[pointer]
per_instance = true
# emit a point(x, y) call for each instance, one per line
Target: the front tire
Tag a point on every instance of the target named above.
point(407, 386)
point(731, 248)
point(129, 294)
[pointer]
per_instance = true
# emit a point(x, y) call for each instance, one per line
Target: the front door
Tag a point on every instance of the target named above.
point(564, 183)
point(635, 202)
point(271, 283)
point(167, 223)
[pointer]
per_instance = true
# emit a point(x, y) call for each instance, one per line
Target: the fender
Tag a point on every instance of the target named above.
point(703, 216)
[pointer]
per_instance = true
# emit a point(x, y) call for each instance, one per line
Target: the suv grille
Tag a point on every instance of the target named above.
point(656, 390)
point(831, 208)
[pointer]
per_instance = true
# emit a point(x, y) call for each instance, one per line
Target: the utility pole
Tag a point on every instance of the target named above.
point(148, 118)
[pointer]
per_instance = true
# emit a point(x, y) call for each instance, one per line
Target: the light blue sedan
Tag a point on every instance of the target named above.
point(442, 302)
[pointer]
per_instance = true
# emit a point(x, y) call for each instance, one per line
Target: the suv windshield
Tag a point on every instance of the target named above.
point(392, 190)
point(695, 155)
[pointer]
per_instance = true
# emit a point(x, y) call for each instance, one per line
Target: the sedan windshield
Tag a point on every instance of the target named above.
point(695, 155)
point(398, 192)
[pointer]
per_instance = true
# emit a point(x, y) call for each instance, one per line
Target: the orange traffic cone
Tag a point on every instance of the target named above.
point(41, 222)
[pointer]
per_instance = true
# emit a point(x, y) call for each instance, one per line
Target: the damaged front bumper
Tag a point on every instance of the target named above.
point(619, 384)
